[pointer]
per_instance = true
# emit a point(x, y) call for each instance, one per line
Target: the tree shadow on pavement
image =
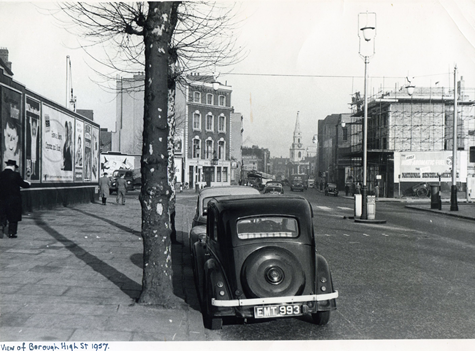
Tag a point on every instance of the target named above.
point(125, 284)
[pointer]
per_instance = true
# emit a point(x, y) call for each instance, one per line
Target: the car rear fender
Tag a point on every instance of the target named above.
point(323, 283)
point(195, 234)
point(217, 286)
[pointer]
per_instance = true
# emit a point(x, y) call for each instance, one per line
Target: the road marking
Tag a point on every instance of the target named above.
point(325, 208)
point(365, 234)
point(345, 208)
point(346, 234)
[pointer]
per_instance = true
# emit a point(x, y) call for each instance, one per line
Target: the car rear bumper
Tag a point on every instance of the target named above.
point(273, 300)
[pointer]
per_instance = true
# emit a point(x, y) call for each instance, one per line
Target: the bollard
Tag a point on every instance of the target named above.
point(435, 202)
point(358, 204)
point(371, 207)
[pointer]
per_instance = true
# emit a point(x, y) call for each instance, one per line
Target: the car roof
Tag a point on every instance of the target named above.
point(263, 204)
point(228, 190)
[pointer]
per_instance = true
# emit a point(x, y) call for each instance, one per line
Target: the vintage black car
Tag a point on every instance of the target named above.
point(273, 187)
point(258, 260)
point(331, 189)
point(128, 176)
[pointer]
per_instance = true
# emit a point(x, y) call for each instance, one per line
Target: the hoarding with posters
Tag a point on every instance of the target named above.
point(79, 158)
point(58, 146)
point(426, 166)
point(87, 152)
point(11, 146)
point(95, 155)
point(33, 140)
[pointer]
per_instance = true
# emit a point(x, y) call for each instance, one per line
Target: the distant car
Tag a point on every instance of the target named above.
point(205, 195)
point(273, 187)
point(331, 189)
point(311, 182)
point(297, 184)
point(258, 259)
point(129, 179)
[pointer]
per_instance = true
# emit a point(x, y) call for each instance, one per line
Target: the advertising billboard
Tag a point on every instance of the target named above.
point(11, 146)
point(87, 152)
point(79, 158)
point(95, 155)
point(426, 166)
point(33, 142)
point(58, 146)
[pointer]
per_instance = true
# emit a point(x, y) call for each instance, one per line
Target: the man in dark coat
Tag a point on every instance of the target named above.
point(10, 198)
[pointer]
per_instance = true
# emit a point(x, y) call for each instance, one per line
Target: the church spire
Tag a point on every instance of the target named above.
point(297, 124)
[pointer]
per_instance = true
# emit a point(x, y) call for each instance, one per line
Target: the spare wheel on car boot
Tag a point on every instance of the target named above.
point(272, 272)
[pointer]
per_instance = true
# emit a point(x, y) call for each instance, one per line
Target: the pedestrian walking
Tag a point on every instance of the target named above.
point(358, 188)
point(121, 189)
point(376, 191)
point(104, 185)
point(10, 198)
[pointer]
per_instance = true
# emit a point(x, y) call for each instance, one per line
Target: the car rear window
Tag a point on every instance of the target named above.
point(267, 227)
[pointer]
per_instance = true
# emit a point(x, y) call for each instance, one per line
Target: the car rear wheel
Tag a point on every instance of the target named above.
point(321, 318)
point(272, 272)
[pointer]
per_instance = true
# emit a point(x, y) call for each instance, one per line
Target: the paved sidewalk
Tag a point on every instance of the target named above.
point(73, 274)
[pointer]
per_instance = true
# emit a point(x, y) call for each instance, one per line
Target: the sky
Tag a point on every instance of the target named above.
point(301, 57)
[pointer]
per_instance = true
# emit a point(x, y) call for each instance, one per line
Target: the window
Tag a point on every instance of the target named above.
point(222, 100)
point(196, 121)
point(472, 153)
point(209, 99)
point(218, 174)
point(196, 148)
point(209, 149)
point(222, 124)
point(197, 96)
point(221, 154)
point(345, 133)
point(225, 174)
point(267, 227)
point(209, 122)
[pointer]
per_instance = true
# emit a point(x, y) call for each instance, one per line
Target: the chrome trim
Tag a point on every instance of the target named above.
point(273, 300)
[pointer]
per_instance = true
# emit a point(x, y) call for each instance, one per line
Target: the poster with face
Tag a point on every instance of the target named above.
point(57, 146)
point(87, 152)
point(95, 155)
point(79, 158)
point(32, 150)
point(12, 126)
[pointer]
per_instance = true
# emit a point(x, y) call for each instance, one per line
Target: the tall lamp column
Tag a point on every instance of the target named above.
point(453, 188)
point(366, 31)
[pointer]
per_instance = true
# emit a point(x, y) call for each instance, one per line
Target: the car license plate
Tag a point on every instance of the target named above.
point(273, 311)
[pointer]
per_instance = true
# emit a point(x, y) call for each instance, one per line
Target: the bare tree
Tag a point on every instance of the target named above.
point(174, 38)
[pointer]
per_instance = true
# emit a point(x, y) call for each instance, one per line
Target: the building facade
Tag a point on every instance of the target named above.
point(205, 111)
point(410, 141)
point(208, 134)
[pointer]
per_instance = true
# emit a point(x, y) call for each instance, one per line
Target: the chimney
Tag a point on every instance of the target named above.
point(4, 57)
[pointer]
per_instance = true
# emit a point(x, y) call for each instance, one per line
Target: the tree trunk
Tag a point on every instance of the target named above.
point(157, 287)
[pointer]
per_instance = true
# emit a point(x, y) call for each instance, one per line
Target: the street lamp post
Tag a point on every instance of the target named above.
point(366, 31)
point(453, 189)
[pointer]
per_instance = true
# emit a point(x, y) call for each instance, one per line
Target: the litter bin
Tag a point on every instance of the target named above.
point(371, 206)
point(357, 205)
point(435, 202)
